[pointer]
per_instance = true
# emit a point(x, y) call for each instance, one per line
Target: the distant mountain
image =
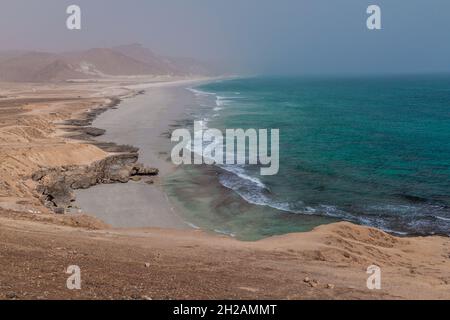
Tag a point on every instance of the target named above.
point(158, 64)
point(107, 62)
point(5, 55)
point(25, 66)
point(163, 65)
point(94, 63)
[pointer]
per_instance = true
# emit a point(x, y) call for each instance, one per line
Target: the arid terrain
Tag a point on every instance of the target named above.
point(37, 245)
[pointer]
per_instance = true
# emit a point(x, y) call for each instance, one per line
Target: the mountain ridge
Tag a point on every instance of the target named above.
point(125, 60)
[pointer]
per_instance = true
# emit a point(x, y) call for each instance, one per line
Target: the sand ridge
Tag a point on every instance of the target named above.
point(181, 264)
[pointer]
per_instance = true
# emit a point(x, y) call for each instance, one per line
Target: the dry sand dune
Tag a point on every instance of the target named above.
point(327, 263)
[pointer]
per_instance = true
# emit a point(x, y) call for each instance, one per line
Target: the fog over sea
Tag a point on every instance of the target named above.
point(370, 150)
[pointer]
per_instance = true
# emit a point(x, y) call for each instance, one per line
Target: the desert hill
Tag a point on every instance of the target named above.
point(126, 60)
point(162, 65)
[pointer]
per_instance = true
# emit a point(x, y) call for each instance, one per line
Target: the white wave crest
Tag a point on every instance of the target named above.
point(200, 92)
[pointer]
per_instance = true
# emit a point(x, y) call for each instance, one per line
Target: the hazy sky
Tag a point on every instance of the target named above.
point(265, 36)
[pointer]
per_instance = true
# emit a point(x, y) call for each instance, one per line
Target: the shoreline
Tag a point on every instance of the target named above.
point(173, 105)
point(146, 205)
point(137, 199)
point(82, 129)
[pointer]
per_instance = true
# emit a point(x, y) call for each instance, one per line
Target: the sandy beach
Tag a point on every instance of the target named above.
point(132, 244)
point(140, 121)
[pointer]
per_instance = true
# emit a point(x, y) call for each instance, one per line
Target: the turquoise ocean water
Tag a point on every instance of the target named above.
point(370, 150)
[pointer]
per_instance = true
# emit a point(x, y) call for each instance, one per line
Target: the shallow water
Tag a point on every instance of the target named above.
point(374, 151)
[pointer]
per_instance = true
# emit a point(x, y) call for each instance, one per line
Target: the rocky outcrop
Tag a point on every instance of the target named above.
point(56, 185)
point(81, 129)
point(86, 133)
point(88, 117)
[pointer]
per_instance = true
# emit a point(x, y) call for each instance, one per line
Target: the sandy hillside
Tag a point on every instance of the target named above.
point(328, 263)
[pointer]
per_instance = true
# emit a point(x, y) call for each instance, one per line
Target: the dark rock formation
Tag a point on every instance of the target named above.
point(83, 131)
point(115, 148)
point(86, 133)
point(88, 117)
point(140, 170)
point(56, 185)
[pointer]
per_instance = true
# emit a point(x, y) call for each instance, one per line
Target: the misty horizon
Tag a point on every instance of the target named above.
point(255, 37)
